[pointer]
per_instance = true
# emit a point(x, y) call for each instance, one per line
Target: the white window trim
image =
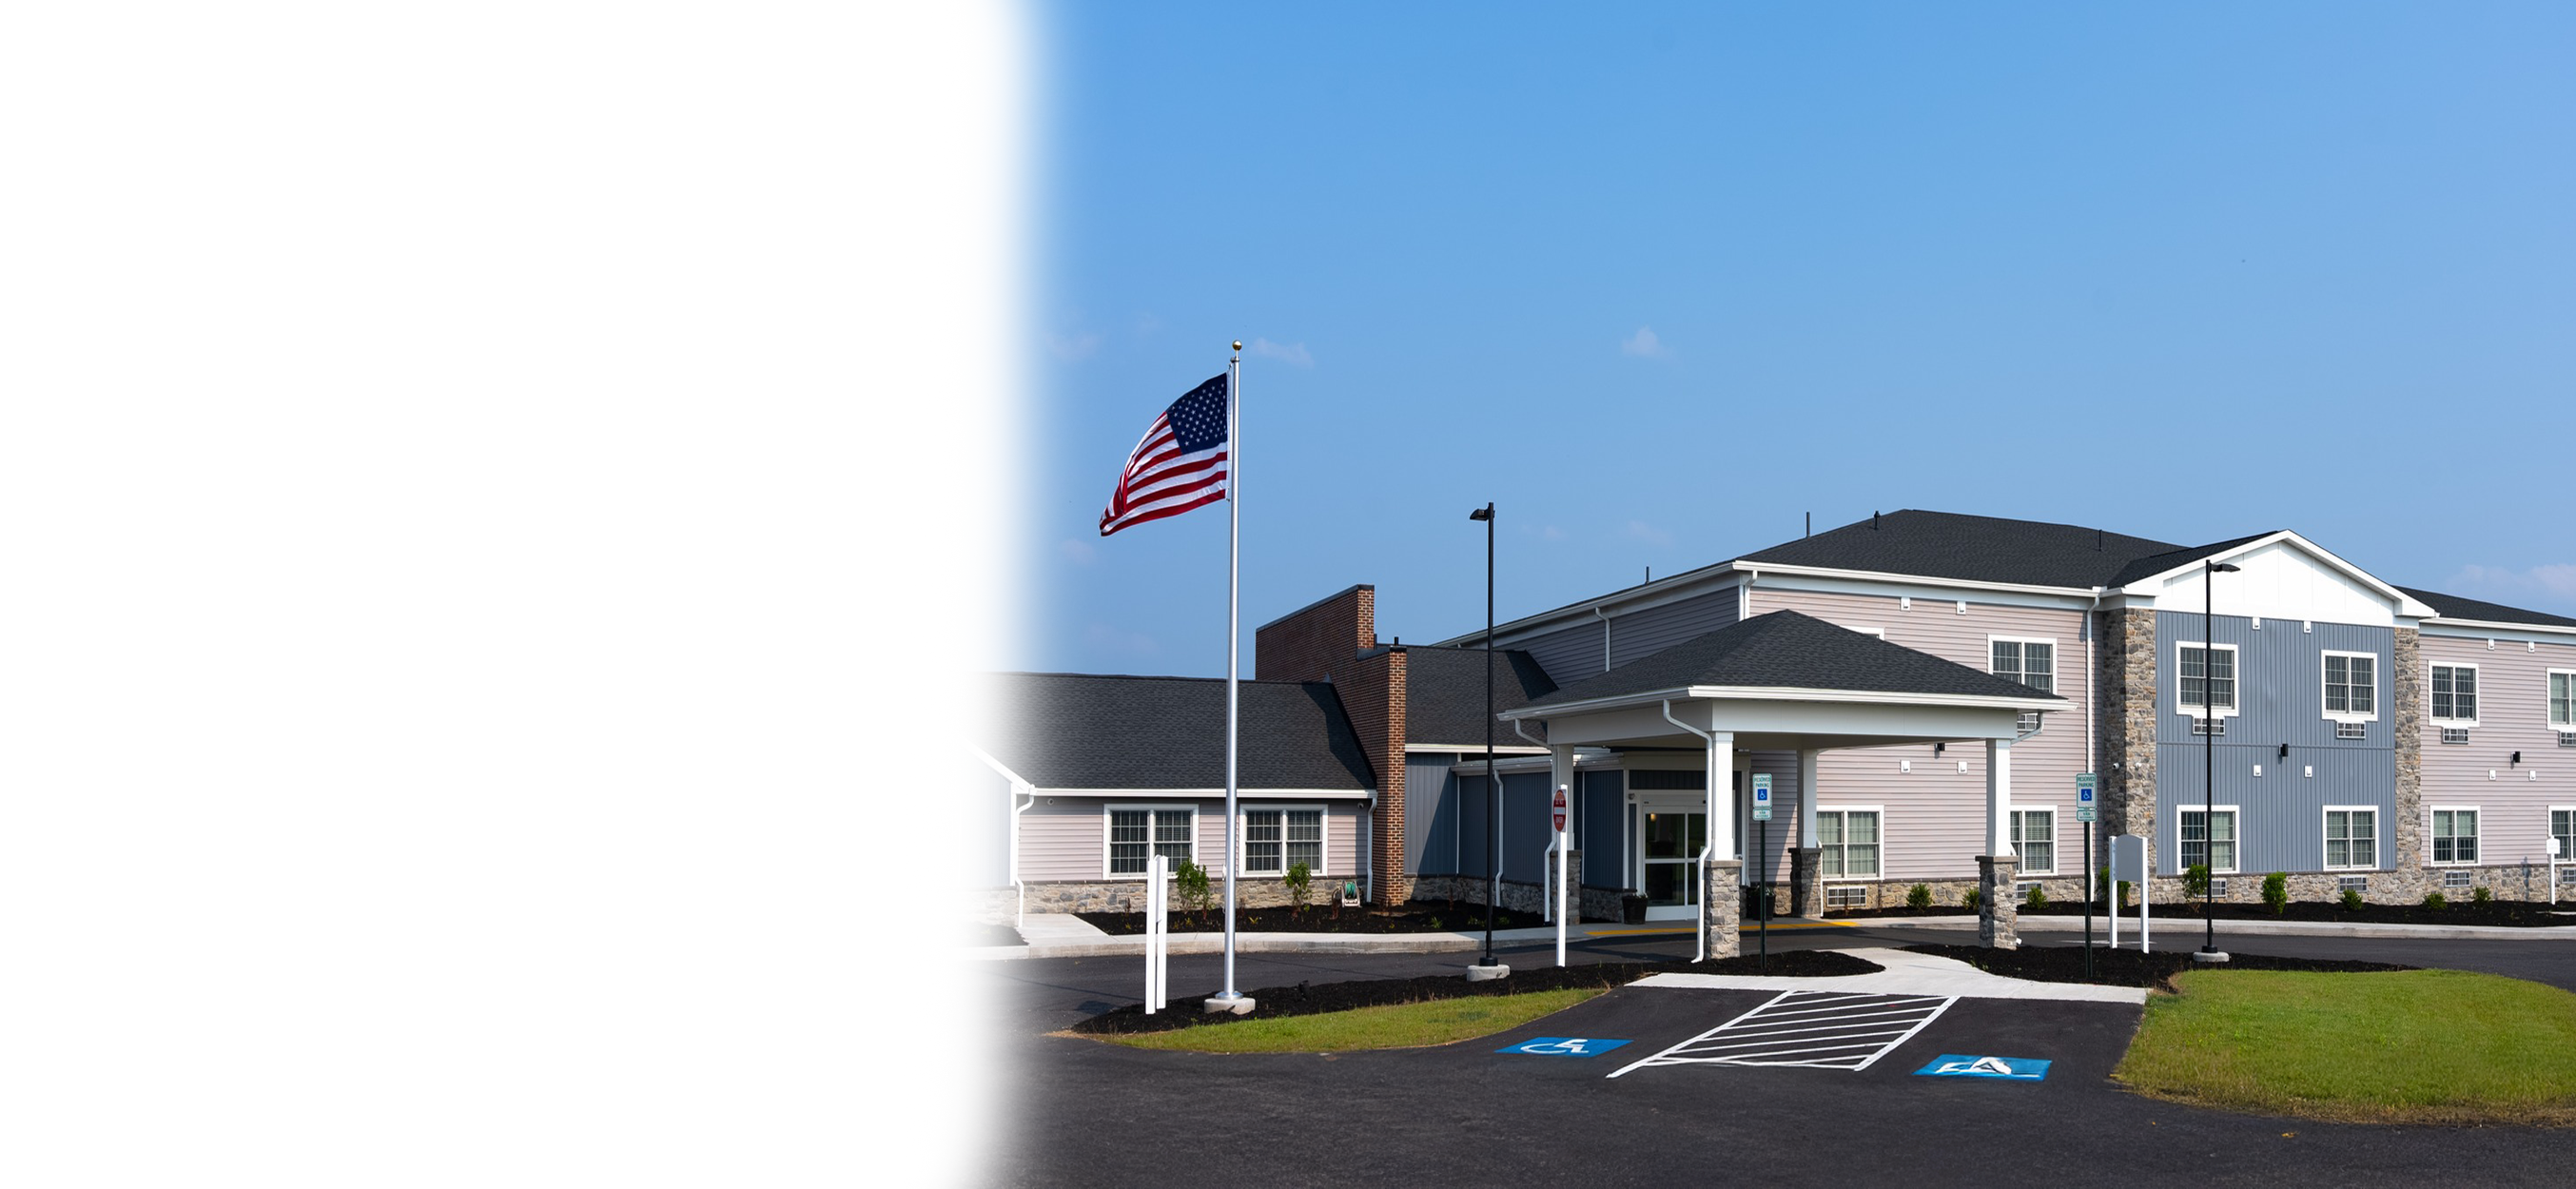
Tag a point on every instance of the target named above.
point(1323, 837)
point(2239, 840)
point(2378, 849)
point(1847, 877)
point(2054, 654)
point(2556, 724)
point(2481, 695)
point(2345, 715)
point(2546, 813)
point(2055, 846)
point(2236, 666)
point(1107, 815)
point(2480, 835)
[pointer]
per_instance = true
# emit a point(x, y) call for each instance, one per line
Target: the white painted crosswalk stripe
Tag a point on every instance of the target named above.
point(1812, 1029)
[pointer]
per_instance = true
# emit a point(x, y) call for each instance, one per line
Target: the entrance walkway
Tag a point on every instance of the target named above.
point(1908, 973)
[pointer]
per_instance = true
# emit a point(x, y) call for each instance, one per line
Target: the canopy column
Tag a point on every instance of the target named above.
point(1806, 870)
point(1998, 914)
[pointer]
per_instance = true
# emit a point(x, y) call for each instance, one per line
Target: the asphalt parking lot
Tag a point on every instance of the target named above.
point(1082, 1112)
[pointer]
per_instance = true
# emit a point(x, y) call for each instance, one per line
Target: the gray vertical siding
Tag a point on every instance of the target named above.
point(1430, 814)
point(1604, 840)
point(1526, 836)
point(1472, 801)
point(1566, 654)
point(983, 819)
point(2281, 699)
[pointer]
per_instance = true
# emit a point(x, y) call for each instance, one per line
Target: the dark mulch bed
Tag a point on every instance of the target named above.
point(2461, 911)
point(1416, 917)
point(1309, 999)
point(2124, 968)
point(993, 935)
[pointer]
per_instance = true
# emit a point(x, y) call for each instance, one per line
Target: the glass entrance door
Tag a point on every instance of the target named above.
point(1673, 836)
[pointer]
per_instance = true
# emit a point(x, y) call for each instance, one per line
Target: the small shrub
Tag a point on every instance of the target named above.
point(1972, 899)
point(2436, 901)
point(2276, 893)
point(2037, 899)
point(1301, 883)
point(1191, 881)
point(2124, 894)
point(2195, 880)
point(2352, 900)
point(2480, 895)
point(1919, 896)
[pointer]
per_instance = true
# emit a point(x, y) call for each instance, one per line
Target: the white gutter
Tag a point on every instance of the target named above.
point(1792, 694)
point(1699, 869)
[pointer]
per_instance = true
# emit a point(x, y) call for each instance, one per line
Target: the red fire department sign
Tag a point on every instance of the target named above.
point(1559, 811)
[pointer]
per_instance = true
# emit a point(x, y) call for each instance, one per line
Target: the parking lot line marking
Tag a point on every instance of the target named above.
point(1792, 1027)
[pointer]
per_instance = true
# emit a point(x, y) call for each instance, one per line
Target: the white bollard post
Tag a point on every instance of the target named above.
point(1560, 897)
point(1157, 924)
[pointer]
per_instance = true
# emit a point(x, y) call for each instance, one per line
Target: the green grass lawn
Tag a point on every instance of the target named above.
point(1396, 1026)
point(2417, 1046)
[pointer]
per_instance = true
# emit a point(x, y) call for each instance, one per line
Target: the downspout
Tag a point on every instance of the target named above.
point(1744, 596)
point(1699, 870)
point(1368, 861)
point(1016, 885)
point(1604, 617)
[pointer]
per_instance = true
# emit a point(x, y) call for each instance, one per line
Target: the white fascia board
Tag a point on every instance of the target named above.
point(2476, 629)
point(1690, 585)
point(1517, 749)
point(2404, 605)
point(1506, 767)
point(1917, 585)
point(1725, 693)
point(2053, 598)
point(1241, 794)
point(1005, 769)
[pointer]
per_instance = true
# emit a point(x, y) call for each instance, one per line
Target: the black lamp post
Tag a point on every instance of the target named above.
point(1493, 779)
point(2209, 754)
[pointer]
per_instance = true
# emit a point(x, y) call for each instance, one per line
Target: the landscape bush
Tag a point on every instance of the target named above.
point(2195, 881)
point(2436, 901)
point(2037, 899)
point(1971, 899)
point(1301, 882)
point(1191, 881)
point(1919, 896)
point(2352, 900)
point(2276, 893)
point(2480, 894)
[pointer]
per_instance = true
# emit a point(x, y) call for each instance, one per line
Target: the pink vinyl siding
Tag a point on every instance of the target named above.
point(2513, 715)
point(1069, 839)
point(1934, 823)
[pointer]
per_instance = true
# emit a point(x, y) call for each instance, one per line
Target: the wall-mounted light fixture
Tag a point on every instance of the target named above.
point(2285, 751)
point(2516, 761)
point(1938, 748)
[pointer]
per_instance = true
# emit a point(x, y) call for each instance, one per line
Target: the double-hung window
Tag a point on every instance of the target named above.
point(2455, 695)
point(1139, 832)
point(2352, 837)
point(2209, 837)
point(2562, 700)
point(2030, 662)
point(2562, 826)
point(1848, 839)
point(2034, 838)
point(2455, 835)
point(2198, 667)
point(1275, 840)
point(2351, 686)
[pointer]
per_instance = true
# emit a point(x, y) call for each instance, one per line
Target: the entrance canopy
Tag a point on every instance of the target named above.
point(1788, 682)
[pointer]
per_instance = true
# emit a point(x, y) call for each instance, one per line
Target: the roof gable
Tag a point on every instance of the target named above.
point(1790, 650)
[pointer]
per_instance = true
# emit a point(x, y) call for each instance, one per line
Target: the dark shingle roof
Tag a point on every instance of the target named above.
point(1786, 649)
point(2455, 607)
point(1444, 692)
point(1970, 548)
point(2157, 563)
point(1081, 730)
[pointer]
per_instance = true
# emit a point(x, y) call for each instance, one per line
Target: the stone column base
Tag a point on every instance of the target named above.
point(1998, 916)
point(1722, 906)
point(1807, 886)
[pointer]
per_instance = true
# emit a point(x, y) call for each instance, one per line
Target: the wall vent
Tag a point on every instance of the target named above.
point(2353, 883)
point(2455, 879)
point(2348, 730)
point(2455, 734)
point(1847, 896)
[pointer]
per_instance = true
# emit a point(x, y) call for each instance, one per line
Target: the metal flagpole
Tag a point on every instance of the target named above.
point(1233, 631)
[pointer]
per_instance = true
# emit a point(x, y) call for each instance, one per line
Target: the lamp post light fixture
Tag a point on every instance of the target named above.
point(1493, 779)
point(2209, 760)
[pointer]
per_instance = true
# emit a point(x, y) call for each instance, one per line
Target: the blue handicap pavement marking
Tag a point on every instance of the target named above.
point(1562, 1046)
point(1955, 1065)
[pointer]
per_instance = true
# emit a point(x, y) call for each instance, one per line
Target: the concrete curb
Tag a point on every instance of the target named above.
point(2193, 926)
point(1440, 943)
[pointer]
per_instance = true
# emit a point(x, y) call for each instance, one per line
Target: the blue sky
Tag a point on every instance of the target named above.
point(1659, 281)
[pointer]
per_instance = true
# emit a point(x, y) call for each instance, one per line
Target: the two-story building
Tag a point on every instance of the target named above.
point(1922, 713)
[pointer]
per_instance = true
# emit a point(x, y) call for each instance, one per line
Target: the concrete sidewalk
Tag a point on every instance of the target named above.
point(1908, 974)
point(1055, 935)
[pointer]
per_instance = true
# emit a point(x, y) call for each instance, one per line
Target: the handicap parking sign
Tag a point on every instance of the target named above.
point(1562, 1046)
point(1954, 1065)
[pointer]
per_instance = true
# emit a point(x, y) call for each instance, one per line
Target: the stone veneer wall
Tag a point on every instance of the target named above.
point(1597, 904)
point(1129, 895)
point(2407, 850)
point(2125, 723)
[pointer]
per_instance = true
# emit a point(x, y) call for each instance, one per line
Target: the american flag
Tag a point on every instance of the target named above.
point(1179, 466)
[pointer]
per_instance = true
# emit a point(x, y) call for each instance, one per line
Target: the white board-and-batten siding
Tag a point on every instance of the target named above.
point(1933, 818)
point(1066, 837)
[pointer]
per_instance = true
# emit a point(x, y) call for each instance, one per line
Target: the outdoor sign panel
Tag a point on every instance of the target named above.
point(2084, 796)
point(1762, 796)
point(1557, 814)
